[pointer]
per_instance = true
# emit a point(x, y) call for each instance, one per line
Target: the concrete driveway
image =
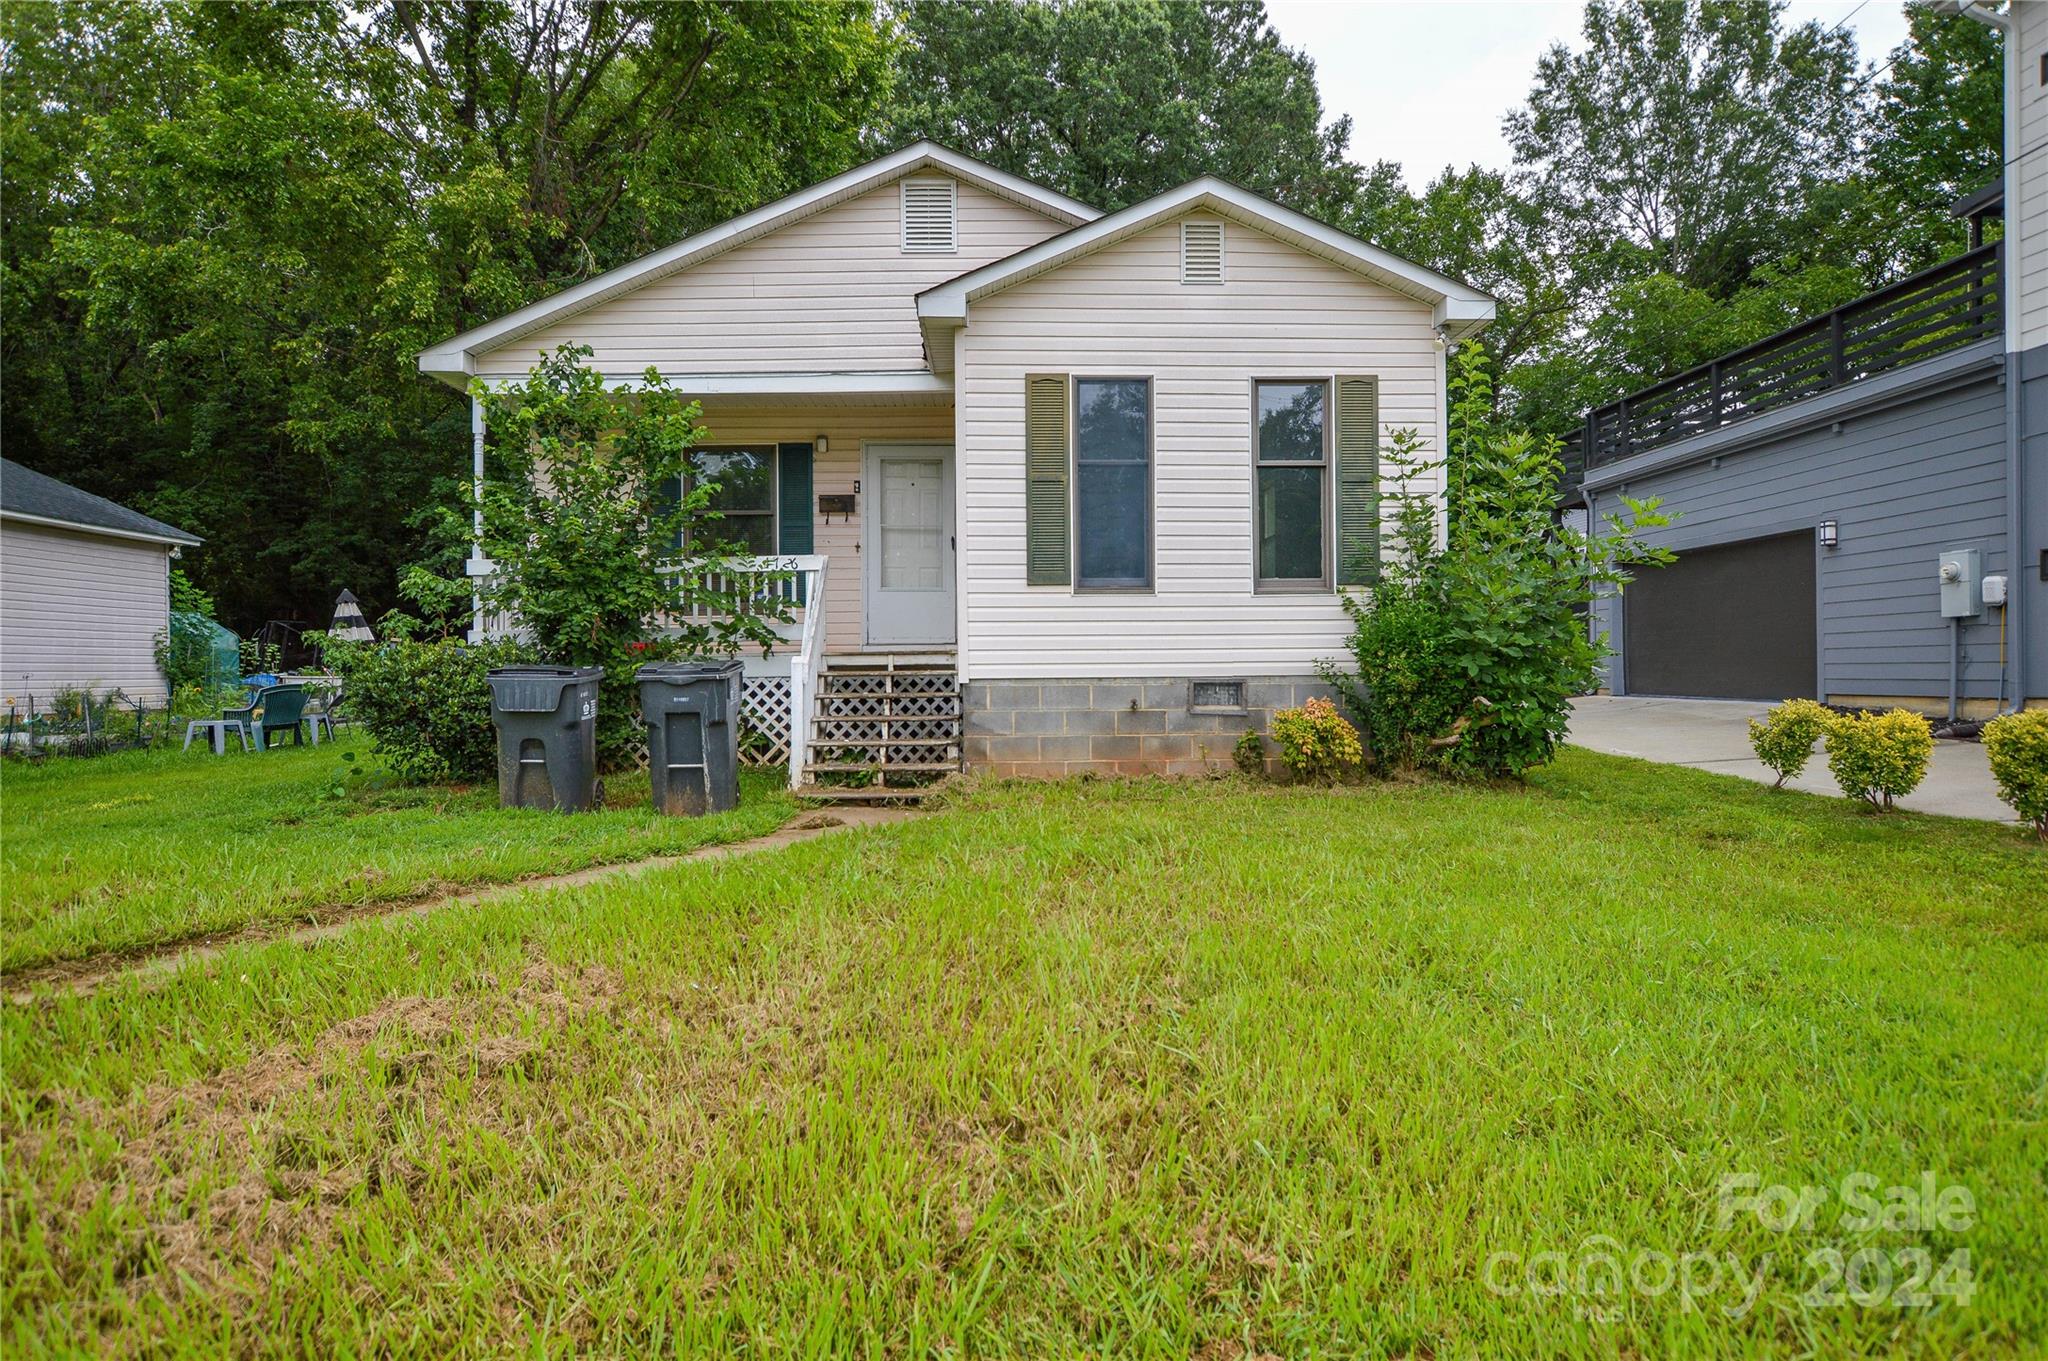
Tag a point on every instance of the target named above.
point(1713, 734)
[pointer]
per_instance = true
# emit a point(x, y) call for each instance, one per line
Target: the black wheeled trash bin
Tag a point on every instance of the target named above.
point(692, 713)
point(546, 717)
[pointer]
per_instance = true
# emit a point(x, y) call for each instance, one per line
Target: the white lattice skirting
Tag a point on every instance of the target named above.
point(765, 721)
point(764, 724)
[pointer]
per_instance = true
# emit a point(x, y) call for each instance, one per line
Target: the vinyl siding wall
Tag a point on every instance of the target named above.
point(80, 610)
point(1124, 312)
point(833, 473)
point(834, 293)
point(2027, 193)
point(2030, 580)
point(1904, 484)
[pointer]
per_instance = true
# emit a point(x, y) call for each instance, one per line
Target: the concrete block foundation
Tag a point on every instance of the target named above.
point(1116, 726)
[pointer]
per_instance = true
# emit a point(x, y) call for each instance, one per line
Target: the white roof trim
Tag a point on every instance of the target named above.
point(80, 527)
point(1460, 308)
point(453, 360)
point(878, 383)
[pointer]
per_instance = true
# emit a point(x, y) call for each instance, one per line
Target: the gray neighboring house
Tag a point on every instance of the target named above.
point(84, 591)
point(1856, 493)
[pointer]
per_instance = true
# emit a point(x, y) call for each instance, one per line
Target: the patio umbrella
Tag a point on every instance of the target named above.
point(349, 624)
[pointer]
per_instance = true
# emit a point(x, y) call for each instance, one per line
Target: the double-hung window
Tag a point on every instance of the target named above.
point(745, 497)
point(1291, 456)
point(1113, 483)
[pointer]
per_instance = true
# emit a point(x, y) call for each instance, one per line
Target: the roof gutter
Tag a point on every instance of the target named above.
point(185, 541)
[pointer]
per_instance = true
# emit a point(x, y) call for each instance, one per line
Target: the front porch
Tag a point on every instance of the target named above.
point(849, 501)
point(870, 724)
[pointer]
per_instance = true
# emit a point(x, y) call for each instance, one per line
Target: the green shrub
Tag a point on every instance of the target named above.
point(1467, 652)
point(1784, 739)
point(1408, 688)
point(426, 705)
point(1316, 741)
point(2018, 747)
point(1249, 755)
point(1879, 757)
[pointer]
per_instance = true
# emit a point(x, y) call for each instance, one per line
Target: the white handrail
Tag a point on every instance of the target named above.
point(806, 666)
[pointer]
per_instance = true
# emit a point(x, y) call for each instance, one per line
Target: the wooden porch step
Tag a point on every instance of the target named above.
point(875, 741)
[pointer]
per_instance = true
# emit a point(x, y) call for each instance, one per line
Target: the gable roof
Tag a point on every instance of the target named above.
point(35, 498)
point(453, 360)
point(1461, 309)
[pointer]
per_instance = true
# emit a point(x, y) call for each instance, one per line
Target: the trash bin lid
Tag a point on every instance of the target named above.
point(567, 672)
point(695, 668)
point(536, 689)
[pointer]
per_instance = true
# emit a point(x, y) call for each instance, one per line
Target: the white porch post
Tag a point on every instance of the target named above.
point(799, 727)
point(476, 539)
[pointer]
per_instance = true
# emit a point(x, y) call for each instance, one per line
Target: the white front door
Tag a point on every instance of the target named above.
point(908, 545)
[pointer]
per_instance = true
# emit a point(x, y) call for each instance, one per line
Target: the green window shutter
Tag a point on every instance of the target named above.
point(793, 498)
point(1048, 555)
point(666, 498)
point(1358, 481)
point(793, 503)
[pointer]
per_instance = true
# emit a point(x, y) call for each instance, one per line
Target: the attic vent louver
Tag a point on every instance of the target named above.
point(1201, 252)
point(930, 217)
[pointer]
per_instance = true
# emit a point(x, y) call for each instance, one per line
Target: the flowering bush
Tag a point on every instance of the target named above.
point(1784, 738)
point(1879, 757)
point(2018, 747)
point(1316, 741)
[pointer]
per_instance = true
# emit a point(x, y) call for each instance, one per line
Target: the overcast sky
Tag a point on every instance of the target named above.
point(1426, 83)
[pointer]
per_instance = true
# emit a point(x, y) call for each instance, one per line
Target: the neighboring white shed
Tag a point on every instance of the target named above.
point(84, 590)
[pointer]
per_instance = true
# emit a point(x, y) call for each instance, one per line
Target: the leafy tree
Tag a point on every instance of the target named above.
point(229, 228)
point(1938, 133)
point(1476, 225)
point(590, 490)
point(1112, 102)
point(1685, 138)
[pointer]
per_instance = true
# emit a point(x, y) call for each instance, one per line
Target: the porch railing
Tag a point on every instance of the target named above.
point(1959, 302)
point(796, 582)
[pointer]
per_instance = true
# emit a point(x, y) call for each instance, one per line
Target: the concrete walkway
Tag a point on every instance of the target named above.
point(1713, 734)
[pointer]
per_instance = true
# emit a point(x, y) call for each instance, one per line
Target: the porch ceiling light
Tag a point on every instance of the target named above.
point(1830, 533)
point(822, 445)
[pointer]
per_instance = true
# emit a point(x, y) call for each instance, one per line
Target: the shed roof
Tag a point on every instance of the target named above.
point(38, 498)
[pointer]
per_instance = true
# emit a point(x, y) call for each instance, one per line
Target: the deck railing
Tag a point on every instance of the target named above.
point(1957, 303)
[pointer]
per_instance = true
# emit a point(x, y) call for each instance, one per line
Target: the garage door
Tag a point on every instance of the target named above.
point(1735, 621)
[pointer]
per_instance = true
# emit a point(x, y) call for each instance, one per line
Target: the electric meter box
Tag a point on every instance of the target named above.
point(1962, 583)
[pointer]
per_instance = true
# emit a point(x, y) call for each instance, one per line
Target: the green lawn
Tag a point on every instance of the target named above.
point(129, 852)
point(1117, 1069)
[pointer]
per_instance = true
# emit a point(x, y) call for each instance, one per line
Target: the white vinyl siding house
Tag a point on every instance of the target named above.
point(84, 592)
point(878, 333)
point(823, 295)
point(1123, 311)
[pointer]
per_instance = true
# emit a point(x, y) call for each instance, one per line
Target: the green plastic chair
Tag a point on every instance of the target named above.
point(276, 708)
